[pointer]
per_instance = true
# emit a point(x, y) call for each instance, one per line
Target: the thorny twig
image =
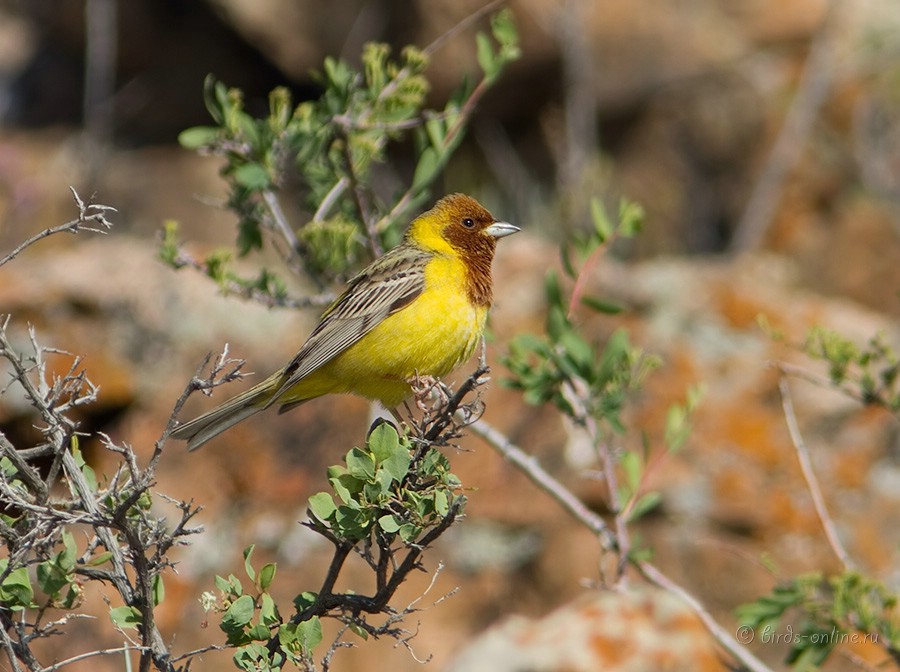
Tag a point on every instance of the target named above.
point(135, 540)
point(91, 217)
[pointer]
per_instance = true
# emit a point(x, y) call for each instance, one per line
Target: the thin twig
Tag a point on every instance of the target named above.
point(809, 475)
point(529, 465)
point(721, 635)
point(90, 654)
point(330, 199)
point(281, 223)
point(575, 393)
point(472, 18)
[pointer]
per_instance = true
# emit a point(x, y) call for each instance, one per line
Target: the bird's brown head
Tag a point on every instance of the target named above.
point(459, 224)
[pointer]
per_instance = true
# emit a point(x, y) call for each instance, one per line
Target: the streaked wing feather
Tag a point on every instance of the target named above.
point(383, 288)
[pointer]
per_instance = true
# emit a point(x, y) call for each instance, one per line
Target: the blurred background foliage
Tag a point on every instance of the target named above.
point(755, 126)
point(680, 111)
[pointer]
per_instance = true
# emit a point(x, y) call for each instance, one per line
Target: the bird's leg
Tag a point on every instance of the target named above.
point(429, 392)
point(422, 387)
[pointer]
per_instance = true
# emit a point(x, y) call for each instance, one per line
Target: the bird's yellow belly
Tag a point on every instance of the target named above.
point(429, 337)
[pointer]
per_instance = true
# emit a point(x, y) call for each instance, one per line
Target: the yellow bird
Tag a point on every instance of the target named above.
point(419, 309)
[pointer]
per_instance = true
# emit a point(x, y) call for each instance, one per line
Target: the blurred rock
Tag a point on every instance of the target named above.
point(629, 631)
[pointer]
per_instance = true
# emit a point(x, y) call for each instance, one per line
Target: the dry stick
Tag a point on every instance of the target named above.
point(73, 226)
point(529, 465)
point(815, 84)
point(809, 475)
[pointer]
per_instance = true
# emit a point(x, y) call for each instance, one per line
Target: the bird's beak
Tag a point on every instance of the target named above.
point(501, 229)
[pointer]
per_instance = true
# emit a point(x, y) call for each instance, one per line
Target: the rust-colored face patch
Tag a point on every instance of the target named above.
point(465, 231)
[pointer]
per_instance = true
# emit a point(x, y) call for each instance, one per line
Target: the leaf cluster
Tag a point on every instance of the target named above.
point(324, 153)
point(563, 366)
point(389, 501)
point(250, 619)
point(871, 372)
point(388, 488)
point(589, 382)
point(828, 609)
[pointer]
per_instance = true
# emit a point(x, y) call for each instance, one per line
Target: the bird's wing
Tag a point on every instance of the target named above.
point(389, 284)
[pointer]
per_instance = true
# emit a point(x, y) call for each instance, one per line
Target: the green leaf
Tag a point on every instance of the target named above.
point(389, 523)
point(601, 306)
point(322, 505)
point(304, 600)
point(252, 176)
point(634, 470)
point(266, 575)
point(215, 97)
point(230, 586)
point(426, 169)
point(383, 441)
point(258, 632)
point(441, 503)
point(159, 590)
point(409, 532)
point(390, 453)
point(644, 504)
point(238, 614)
point(578, 352)
point(16, 592)
point(70, 552)
point(361, 464)
point(309, 633)
point(86, 470)
point(486, 57)
point(557, 322)
point(51, 577)
point(253, 657)
point(268, 611)
point(198, 136)
point(503, 27)
point(602, 226)
point(125, 617)
point(248, 568)
point(631, 218)
point(359, 631)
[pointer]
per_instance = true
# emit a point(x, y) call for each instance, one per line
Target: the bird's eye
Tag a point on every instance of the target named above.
point(468, 222)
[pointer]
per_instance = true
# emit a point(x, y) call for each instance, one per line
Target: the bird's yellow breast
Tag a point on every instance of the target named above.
point(431, 336)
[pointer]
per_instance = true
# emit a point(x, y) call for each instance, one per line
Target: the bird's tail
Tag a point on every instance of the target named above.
point(209, 425)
